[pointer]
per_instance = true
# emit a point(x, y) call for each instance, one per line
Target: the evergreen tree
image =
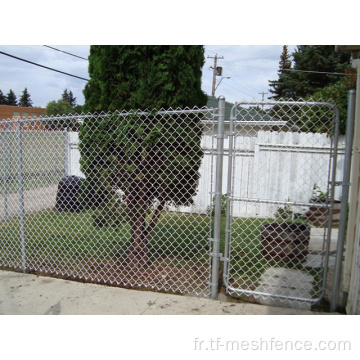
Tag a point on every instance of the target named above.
point(65, 96)
point(2, 98)
point(140, 77)
point(25, 99)
point(280, 87)
point(153, 159)
point(72, 99)
point(68, 97)
point(317, 60)
point(11, 98)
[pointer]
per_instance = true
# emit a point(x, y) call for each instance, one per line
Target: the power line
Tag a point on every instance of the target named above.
point(315, 72)
point(235, 74)
point(50, 47)
point(226, 84)
point(45, 67)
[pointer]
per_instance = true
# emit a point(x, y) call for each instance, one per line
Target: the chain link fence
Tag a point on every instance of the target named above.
point(160, 200)
point(130, 221)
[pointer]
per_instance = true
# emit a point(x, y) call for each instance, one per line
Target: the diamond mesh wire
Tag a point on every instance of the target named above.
point(281, 201)
point(140, 215)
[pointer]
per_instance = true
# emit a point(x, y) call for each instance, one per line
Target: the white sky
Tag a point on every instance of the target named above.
point(250, 67)
point(259, 29)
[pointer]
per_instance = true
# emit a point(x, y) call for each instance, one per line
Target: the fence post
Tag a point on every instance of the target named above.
point(21, 197)
point(66, 152)
point(4, 176)
point(218, 193)
point(229, 193)
point(344, 200)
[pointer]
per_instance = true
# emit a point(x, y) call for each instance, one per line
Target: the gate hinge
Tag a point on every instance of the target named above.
point(224, 136)
point(341, 183)
point(219, 255)
point(338, 183)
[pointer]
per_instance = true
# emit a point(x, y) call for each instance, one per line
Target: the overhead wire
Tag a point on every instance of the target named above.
point(226, 84)
point(43, 66)
point(65, 52)
point(314, 72)
point(233, 74)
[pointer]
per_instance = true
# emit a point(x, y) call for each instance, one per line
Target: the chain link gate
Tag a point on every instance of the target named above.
point(139, 214)
point(149, 210)
point(281, 200)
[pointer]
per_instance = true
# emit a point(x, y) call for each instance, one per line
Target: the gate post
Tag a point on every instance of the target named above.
point(344, 201)
point(217, 201)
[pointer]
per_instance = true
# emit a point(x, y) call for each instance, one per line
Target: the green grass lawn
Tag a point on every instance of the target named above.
point(75, 235)
point(50, 234)
point(67, 238)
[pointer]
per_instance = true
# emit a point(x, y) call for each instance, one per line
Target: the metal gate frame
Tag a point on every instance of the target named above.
point(226, 258)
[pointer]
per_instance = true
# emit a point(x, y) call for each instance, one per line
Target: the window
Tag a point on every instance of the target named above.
point(16, 113)
point(33, 114)
point(24, 114)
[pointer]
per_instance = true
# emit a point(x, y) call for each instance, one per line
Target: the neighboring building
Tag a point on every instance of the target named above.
point(8, 112)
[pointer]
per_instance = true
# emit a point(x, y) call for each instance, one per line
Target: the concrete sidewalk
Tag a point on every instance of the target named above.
point(26, 294)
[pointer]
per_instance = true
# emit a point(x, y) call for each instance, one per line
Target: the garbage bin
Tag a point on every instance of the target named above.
point(67, 197)
point(285, 241)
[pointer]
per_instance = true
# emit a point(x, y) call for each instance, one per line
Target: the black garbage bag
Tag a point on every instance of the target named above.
point(67, 197)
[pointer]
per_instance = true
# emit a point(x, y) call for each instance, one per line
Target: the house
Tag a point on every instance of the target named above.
point(8, 112)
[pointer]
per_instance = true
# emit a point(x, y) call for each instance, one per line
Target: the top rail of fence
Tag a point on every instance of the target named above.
point(302, 103)
point(81, 117)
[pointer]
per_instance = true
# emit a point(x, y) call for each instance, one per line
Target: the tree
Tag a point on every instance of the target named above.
point(280, 90)
point(65, 96)
point(59, 108)
point(77, 109)
point(314, 81)
point(25, 99)
point(337, 93)
point(153, 159)
point(11, 98)
point(140, 77)
point(2, 98)
point(318, 61)
point(69, 97)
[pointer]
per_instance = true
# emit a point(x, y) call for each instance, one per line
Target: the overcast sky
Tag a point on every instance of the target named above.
point(249, 66)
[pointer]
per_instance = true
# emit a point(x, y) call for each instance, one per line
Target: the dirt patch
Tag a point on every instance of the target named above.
point(165, 275)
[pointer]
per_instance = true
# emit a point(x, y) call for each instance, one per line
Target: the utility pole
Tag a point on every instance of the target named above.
point(215, 72)
point(262, 93)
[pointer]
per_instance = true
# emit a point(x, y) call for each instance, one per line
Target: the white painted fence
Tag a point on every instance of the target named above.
point(269, 165)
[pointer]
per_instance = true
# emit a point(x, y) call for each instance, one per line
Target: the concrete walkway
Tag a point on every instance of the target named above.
point(34, 200)
point(26, 294)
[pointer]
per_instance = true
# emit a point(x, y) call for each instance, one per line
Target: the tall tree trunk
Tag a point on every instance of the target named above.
point(138, 250)
point(141, 235)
